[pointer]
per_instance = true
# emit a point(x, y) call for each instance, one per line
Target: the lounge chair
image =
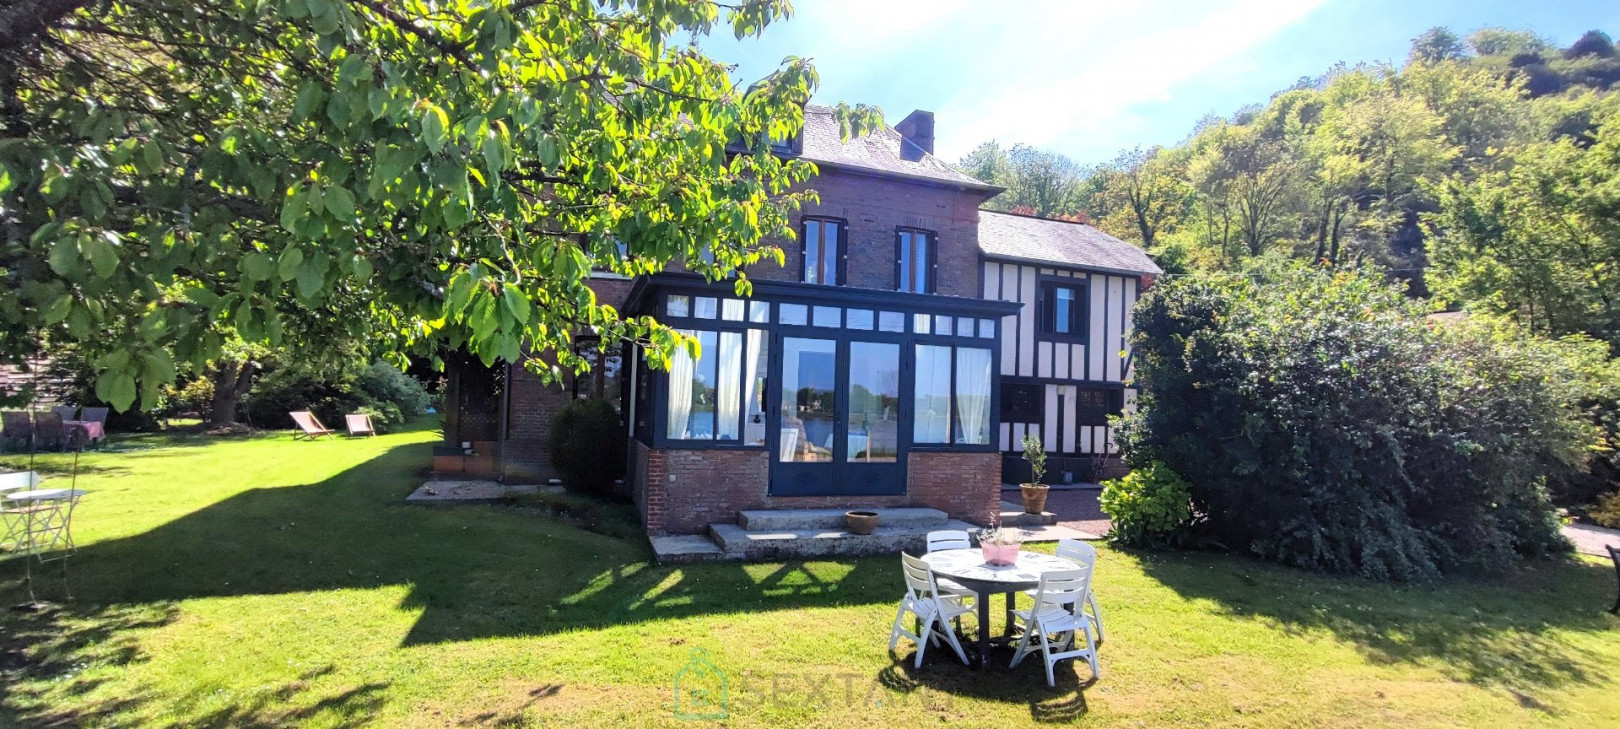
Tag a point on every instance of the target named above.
point(18, 429)
point(1614, 554)
point(98, 415)
point(311, 427)
point(49, 432)
point(359, 424)
point(68, 412)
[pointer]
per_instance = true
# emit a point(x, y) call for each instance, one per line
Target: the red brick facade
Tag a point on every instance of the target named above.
point(683, 491)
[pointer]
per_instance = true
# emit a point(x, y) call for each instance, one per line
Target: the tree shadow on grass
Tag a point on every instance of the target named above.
point(1500, 632)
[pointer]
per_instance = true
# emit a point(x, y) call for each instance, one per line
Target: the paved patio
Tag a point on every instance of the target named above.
point(1075, 506)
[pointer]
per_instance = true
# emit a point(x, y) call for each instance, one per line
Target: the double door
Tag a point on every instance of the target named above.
point(838, 414)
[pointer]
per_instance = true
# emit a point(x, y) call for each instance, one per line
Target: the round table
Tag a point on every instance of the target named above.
point(968, 568)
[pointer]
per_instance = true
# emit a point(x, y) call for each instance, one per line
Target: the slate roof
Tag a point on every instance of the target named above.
point(1037, 240)
point(877, 151)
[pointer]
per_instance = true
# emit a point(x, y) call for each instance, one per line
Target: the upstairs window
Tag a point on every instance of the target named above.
point(823, 251)
point(1063, 309)
point(915, 263)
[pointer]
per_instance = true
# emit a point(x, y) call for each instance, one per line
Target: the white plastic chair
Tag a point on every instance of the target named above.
point(1055, 621)
point(950, 539)
point(1079, 552)
point(934, 610)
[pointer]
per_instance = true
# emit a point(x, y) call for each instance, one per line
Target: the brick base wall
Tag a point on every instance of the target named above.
point(683, 491)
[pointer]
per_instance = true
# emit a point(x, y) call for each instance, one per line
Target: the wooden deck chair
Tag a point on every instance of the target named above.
point(311, 427)
point(359, 424)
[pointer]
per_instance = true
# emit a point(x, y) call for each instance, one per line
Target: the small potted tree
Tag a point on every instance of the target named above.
point(1034, 492)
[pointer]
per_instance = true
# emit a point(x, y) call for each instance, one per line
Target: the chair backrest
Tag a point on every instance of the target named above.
point(98, 415)
point(358, 422)
point(18, 481)
point(17, 424)
point(66, 411)
point(919, 576)
point(948, 539)
point(49, 425)
point(1063, 587)
point(1077, 551)
point(306, 420)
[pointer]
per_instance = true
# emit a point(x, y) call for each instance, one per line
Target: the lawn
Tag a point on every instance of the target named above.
point(258, 581)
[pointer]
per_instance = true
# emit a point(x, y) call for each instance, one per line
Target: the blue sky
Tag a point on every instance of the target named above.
point(1088, 79)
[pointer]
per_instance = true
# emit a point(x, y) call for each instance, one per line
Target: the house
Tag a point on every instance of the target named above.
point(909, 343)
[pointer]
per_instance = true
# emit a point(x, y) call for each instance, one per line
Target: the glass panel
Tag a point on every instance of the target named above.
point(759, 312)
point(858, 319)
point(914, 261)
point(1063, 301)
point(759, 356)
point(874, 402)
point(987, 328)
point(691, 391)
point(728, 399)
point(704, 307)
point(827, 316)
point(973, 396)
point(921, 323)
point(731, 309)
point(812, 251)
point(793, 313)
point(809, 400)
point(891, 321)
point(942, 325)
point(931, 399)
point(821, 252)
point(905, 261)
point(679, 306)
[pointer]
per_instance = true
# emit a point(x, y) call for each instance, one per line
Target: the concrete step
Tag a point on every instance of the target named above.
point(1014, 515)
point(685, 548)
point(739, 543)
point(787, 520)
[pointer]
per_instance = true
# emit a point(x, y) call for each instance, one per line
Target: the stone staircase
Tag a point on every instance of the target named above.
point(778, 534)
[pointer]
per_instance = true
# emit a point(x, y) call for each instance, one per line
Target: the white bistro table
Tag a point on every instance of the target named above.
point(47, 520)
point(968, 568)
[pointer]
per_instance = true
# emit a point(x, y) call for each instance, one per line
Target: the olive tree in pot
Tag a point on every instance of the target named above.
point(1034, 492)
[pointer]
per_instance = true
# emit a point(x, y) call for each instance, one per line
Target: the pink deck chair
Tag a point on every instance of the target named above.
point(359, 424)
point(312, 428)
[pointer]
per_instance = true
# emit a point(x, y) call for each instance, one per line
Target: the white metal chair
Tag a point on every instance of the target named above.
point(950, 539)
point(15, 514)
point(1079, 552)
point(934, 610)
point(1055, 621)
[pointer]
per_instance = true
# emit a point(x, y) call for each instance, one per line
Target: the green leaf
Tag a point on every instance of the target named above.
point(459, 294)
point(258, 266)
point(151, 158)
point(102, 252)
point(309, 279)
point(516, 303)
point(340, 203)
point(485, 317)
point(292, 210)
point(434, 126)
point(288, 266)
point(65, 255)
point(116, 389)
point(59, 310)
point(157, 366)
point(362, 268)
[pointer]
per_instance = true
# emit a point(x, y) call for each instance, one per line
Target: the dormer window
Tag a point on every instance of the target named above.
point(823, 251)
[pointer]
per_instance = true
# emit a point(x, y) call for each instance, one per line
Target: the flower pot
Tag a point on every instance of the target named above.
point(1034, 497)
point(999, 554)
point(861, 522)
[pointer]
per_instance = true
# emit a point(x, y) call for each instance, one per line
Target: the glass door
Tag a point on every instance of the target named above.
point(838, 419)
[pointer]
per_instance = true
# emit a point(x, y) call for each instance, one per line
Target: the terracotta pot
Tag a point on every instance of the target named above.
point(861, 522)
point(1034, 497)
point(999, 554)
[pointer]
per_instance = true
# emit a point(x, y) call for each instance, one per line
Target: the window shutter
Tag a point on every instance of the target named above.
point(899, 260)
point(843, 254)
point(933, 262)
point(804, 250)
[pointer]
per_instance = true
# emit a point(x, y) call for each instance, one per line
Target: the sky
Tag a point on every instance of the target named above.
point(1089, 79)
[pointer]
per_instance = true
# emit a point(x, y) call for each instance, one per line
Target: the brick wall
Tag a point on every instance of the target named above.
point(873, 208)
point(683, 491)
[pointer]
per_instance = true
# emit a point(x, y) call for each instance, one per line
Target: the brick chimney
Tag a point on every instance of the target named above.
point(917, 134)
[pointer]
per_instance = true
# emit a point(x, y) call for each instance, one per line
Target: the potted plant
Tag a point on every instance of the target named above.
point(1034, 492)
point(861, 522)
point(1000, 546)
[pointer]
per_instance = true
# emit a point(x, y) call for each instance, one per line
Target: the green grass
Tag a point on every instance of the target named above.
point(258, 582)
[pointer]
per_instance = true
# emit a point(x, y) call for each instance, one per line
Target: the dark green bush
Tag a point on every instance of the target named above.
point(1322, 422)
point(381, 383)
point(1150, 505)
point(588, 446)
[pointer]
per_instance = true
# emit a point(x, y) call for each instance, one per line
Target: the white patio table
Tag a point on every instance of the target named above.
point(968, 568)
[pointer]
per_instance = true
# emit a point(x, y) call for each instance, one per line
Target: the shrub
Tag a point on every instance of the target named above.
point(1322, 422)
point(385, 417)
point(1607, 511)
point(588, 446)
point(382, 383)
point(330, 393)
point(1150, 505)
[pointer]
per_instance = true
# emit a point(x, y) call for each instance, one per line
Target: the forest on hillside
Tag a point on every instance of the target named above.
point(1484, 172)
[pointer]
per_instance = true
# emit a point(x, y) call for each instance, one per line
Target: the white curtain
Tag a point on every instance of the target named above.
point(754, 405)
point(973, 395)
point(932, 399)
point(680, 391)
point(728, 391)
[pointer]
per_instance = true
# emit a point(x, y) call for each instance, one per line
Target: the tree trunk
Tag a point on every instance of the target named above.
point(231, 381)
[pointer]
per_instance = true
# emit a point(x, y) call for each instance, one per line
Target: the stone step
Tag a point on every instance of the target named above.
point(685, 548)
point(787, 520)
point(739, 543)
point(1014, 515)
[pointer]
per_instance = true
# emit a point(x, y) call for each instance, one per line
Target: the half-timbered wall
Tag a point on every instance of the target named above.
point(1061, 367)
